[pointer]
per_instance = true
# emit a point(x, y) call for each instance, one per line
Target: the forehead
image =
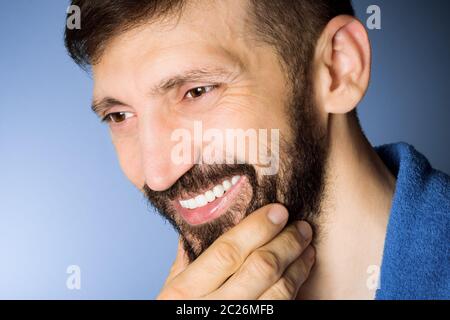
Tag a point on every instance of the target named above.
point(213, 30)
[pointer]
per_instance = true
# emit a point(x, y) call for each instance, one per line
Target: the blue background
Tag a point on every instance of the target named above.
point(64, 200)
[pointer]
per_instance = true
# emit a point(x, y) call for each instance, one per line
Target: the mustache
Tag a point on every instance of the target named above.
point(195, 180)
point(200, 176)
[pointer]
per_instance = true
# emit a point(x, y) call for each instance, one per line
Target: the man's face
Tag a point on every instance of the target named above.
point(221, 78)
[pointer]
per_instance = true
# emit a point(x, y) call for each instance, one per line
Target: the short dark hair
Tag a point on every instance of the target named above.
point(291, 26)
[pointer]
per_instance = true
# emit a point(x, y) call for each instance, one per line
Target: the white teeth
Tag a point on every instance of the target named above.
point(226, 185)
point(209, 196)
point(191, 204)
point(218, 190)
point(201, 200)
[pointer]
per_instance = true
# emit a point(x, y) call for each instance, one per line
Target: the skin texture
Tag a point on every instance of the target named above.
point(359, 187)
point(135, 61)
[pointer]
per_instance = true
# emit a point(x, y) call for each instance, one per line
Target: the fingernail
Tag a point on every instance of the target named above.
point(304, 229)
point(277, 214)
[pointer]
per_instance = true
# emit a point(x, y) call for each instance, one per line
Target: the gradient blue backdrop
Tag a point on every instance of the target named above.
point(63, 198)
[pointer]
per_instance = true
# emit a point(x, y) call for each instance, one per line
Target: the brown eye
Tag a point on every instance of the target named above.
point(117, 117)
point(199, 91)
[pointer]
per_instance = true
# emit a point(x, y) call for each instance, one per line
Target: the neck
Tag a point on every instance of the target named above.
point(352, 225)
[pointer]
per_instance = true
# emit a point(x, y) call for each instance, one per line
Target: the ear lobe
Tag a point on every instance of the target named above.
point(347, 65)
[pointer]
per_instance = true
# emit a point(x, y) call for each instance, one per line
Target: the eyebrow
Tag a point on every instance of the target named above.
point(206, 74)
point(104, 104)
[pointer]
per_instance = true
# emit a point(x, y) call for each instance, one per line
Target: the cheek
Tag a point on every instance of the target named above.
point(252, 107)
point(256, 118)
point(129, 157)
point(247, 136)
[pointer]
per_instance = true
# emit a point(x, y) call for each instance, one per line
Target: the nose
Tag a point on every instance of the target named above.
point(160, 168)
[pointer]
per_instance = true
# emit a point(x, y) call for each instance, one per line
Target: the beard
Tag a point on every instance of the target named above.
point(299, 184)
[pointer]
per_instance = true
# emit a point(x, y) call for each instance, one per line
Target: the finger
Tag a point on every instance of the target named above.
point(180, 263)
point(286, 288)
point(264, 267)
point(230, 250)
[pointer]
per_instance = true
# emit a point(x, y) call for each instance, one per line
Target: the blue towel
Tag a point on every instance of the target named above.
point(416, 258)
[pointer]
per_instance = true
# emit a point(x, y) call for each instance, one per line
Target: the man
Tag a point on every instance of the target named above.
point(163, 68)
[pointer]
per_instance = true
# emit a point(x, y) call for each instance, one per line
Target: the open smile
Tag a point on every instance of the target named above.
point(210, 204)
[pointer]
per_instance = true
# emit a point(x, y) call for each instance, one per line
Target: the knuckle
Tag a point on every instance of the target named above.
point(303, 268)
point(285, 288)
point(293, 240)
point(266, 264)
point(228, 254)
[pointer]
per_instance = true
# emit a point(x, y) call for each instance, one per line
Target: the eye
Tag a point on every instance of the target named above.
point(199, 91)
point(117, 117)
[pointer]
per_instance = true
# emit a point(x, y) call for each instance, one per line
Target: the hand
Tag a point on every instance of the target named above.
point(259, 258)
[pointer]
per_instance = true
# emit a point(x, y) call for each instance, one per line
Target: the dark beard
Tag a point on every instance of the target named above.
point(298, 185)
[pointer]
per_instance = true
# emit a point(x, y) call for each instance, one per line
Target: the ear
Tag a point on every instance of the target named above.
point(342, 65)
